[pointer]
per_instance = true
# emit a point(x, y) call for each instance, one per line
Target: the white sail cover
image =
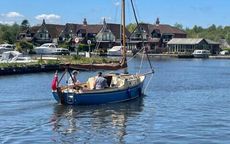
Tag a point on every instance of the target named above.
point(10, 55)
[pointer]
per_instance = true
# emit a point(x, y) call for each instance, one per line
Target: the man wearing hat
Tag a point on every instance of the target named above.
point(100, 82)
point(73, 79)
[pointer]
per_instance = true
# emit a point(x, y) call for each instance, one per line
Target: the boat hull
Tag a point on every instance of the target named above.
point(109, 66)
point(201, 55)
point(103, 97)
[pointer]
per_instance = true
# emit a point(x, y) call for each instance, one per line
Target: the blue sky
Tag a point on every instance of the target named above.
point(186, 12)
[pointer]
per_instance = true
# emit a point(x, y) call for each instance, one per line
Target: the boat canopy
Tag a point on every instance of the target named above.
point(116, 48)
point(10, 55)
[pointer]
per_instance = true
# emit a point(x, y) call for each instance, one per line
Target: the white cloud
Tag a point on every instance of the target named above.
point(7, 22)
point(117, 3)
point(48, 17)
point(12, 15)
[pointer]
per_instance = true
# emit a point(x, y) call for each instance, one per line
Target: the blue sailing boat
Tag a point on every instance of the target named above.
point(121, 87)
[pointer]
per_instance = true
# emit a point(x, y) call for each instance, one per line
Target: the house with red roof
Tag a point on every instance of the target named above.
point(155, 36)
point(44, 33)
point(102, 36)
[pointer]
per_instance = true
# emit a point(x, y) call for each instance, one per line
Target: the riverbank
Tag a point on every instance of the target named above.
point(220, 57)
point(34, 68)
point(183, 56)
point(51, 63)
point(47, 64)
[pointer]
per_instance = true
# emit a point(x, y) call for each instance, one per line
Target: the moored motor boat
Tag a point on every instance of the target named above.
point(6, 47)
point(115, 51)
point(201, 53)
point(15, 57)
point(51, 48)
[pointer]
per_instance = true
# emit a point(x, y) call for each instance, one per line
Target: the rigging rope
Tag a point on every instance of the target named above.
point(116, 11)
point(148, 83)
point(143, 47)
point(142, 59)
point(135, 54)
point(104, 27)
point(139, 28)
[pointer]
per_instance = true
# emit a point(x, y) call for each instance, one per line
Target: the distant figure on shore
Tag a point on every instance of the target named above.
point(100, 82)
point(73, 79)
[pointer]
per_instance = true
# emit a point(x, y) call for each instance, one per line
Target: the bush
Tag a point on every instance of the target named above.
point(85, 47)
point(24, 46)
point(64, 45)
point(227, 49)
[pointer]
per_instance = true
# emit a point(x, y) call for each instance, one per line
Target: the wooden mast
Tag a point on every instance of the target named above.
point(124, 61)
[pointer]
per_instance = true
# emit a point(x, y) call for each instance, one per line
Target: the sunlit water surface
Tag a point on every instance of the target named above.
point(187, 101)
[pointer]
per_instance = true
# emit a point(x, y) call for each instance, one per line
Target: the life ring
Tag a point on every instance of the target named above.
point(76, 40)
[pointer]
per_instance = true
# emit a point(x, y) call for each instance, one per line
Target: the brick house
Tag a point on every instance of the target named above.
point(102, 36)
point(44, 33)
point(155, 36)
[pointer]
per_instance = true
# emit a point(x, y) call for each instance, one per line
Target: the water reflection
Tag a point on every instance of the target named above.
point(87, 122)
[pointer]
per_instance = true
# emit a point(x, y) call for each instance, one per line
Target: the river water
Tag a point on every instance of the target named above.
point(187, 101)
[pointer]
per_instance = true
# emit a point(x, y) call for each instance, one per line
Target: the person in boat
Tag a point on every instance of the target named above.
point(100, 82)
point(73, 79)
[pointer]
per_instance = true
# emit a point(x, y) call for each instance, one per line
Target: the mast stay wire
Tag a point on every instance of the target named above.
point(104, 27)
point(129, 12)
point(116, 11)
point(148, 83)
point(139, 29)
point(142, 59)
point(135, 55)
point(143, 46)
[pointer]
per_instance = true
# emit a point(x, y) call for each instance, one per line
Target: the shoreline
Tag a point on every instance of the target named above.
point(184, 56)
point(37, 68)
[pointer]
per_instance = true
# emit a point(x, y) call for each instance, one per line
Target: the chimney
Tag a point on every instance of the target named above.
point(157, 21)
point(104, 22)
point(85, 22)
point(43, 22)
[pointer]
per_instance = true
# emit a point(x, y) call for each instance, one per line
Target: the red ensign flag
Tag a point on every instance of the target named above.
point(54, 82)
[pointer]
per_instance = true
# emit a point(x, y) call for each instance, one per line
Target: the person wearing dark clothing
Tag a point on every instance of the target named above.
point(100, 82)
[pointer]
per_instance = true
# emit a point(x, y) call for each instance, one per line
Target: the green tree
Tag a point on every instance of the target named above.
point(212, 28)
point(9, 33)
point(24, 25)
point(131, 27)
point(179, 26)
point(1, 33)
point(24, 46)
point(197, 29)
